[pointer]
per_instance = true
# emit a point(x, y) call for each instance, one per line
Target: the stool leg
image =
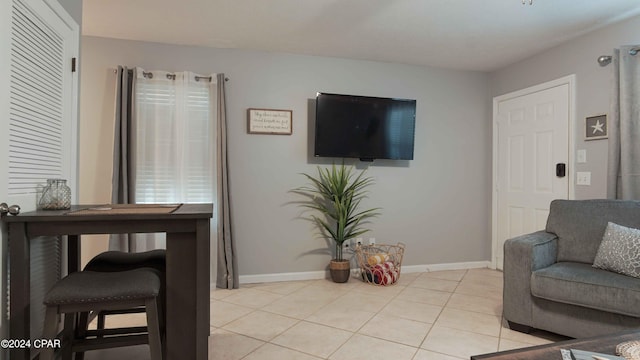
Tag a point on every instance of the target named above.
point(101, 321)
point(153, 328)
point(50, 331)
point(81, 331)
point(68, 335)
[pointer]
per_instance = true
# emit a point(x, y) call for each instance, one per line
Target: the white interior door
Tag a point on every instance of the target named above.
point(533, 130)
point(38, 118)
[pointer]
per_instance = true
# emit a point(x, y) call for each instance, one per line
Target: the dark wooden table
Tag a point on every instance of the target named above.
point(602, 344)
point(187, 230)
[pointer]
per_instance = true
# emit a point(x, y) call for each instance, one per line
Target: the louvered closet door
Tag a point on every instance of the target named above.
point(38, 122)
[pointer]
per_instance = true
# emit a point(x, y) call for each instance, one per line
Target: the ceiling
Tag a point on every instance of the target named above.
point(479, 35)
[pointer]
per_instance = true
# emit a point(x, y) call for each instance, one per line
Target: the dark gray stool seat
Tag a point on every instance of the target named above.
point(110, 261)
point(93, 291)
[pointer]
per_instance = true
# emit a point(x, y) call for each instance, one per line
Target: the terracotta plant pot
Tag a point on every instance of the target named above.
point(340, 270)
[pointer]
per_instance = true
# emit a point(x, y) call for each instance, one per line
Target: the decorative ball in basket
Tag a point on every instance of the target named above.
point(380, 264)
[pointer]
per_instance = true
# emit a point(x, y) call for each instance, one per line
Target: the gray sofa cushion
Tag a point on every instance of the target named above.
point(580, 225)
point(581, 284)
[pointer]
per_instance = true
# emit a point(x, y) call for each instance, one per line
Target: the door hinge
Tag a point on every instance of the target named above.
point(73, 64)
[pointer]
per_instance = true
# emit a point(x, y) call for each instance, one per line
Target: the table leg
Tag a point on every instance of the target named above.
point(203, 241)
point(74, 254)
point(20, 296)
point(188, 294)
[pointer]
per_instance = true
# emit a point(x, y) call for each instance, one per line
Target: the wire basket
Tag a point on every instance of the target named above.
point(380, 264)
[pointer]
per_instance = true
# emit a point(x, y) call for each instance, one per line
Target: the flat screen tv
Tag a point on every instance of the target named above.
point(364, 127)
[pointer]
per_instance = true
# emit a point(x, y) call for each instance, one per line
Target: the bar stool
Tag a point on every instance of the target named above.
point(110, 261)
point(86, 291)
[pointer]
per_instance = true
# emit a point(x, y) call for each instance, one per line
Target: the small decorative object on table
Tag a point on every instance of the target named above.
point(55, 196)
point(629, 350)
point(380, 264)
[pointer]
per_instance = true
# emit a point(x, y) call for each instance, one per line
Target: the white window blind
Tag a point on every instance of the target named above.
point(175, 139)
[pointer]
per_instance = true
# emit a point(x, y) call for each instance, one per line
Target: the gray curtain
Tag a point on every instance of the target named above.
point(623, 180)
point(227, 272)
point(122, 183)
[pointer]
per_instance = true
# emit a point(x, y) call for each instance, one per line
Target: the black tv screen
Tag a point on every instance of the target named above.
point(364, 127)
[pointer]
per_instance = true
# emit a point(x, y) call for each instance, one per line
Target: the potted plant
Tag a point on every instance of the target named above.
point(336, 194)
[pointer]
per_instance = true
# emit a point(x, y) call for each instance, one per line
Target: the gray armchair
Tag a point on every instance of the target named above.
point(549, 281)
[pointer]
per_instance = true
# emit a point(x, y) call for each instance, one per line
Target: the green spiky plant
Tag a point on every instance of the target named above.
point(336, 193)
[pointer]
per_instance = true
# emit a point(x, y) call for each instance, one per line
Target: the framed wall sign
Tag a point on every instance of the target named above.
point(269, 121)
point(596, 127)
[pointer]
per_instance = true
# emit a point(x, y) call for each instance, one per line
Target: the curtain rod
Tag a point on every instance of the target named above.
point(170, 76)
point(604, 60)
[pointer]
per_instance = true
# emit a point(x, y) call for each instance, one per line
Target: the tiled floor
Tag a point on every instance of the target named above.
point(442, 315)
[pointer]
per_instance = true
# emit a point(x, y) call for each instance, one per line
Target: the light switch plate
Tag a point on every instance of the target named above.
point(582, 156)
point(583, 178)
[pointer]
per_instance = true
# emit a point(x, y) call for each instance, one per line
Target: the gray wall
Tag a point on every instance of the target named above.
point(593, 85)
point(438, 204)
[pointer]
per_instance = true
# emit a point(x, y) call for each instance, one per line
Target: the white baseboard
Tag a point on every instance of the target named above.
point(443, 267)
point(315, 275)
point(295, 276)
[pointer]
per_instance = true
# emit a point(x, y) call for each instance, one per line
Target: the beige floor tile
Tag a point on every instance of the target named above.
point(430, 355)
point(326, 289)
point(483, 278)
point(282, 288)
point(412, 310)
point(122, 320)
point(476, 303)
point(222, 313)
point(298, 305)
point(341, 317)
point(274, 352)
point(407, 278)
point(229, 346)
point(433, 297)
point(261, 325)
point(358, 300)
point(361, 347)
point(427, 281)
point(484, 272)
point(219, 294)
point(404, 331)
point(252, 298)
point(459, 343)
point(380, 292)
point(472, 288)
point(314, 339)
point(470, 321)
point(454, 275)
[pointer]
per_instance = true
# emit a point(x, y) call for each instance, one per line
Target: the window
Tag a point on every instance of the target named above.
point(174, 138)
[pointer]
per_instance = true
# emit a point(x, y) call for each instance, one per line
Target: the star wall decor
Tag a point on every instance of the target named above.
point(596, 127)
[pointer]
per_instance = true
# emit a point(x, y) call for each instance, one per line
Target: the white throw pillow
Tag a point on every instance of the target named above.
point(619, 250)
